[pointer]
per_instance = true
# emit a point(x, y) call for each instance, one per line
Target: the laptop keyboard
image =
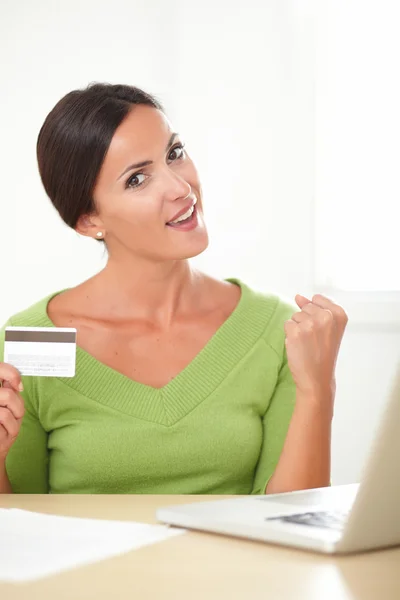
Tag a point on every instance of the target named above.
point(325, 519)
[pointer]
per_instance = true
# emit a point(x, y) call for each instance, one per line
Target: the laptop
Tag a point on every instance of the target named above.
point(334, 520)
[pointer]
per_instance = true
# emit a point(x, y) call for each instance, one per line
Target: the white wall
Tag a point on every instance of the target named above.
point(357, 197)
point(245, 99)
point(357, 144)
point(238, 82)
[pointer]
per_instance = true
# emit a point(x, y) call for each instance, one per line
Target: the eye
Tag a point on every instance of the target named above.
point(177, 152)
point(135, 180)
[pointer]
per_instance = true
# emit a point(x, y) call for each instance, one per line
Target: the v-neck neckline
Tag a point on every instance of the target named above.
point(190, 386)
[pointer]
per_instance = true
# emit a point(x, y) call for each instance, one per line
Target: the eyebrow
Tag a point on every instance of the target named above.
point(146, 163)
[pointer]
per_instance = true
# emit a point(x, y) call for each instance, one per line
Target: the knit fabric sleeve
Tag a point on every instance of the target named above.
point(281, 405)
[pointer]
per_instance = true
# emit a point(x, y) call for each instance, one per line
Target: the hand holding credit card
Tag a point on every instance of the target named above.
point(11, 413)
point(41, 351)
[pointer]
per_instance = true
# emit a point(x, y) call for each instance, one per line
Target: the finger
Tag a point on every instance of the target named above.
point(321, 316)
point(10, 424)
point(13, 402)
point(10, 374)
point(317, 319)
point(301, 300)
point(3, 433)
point(291, 328)
point(337, 310)
point(311, 309)
point(322, 301)
point(301, 317)
point(312, 315)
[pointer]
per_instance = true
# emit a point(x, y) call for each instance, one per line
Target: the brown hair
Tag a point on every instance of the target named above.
point(74, 139)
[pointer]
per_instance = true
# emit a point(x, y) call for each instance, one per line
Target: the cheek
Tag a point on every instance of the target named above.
point(134, 210)
point(190, 174)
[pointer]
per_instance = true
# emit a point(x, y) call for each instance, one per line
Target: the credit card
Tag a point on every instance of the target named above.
point(41, 351)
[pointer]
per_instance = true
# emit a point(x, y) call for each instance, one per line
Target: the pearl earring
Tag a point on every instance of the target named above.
point(99, 234)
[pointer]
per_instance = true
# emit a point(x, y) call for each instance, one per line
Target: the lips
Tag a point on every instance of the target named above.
point(183, 210)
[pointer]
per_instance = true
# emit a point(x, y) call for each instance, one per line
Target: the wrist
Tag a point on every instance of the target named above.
point(317, 404)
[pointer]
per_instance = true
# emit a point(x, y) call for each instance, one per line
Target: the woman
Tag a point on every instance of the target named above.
point(184, 384)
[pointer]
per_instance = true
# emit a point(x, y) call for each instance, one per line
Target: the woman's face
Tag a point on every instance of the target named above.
point(146, 182)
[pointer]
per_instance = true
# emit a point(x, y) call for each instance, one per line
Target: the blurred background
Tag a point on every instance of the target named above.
point(290, 110)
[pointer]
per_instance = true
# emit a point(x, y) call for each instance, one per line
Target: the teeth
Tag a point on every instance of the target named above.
point(185, 216)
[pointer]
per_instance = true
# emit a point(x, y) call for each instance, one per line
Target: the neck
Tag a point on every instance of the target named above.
point(151, 291)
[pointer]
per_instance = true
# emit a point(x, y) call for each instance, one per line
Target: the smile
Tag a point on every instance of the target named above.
point(186, 221)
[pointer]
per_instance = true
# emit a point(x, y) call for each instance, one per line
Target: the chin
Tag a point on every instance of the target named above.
point(191, 248)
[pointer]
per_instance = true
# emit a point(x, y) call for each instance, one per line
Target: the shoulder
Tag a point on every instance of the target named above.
point(270, 310)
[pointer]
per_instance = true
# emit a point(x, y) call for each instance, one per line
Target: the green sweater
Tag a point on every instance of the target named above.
point(217, 428)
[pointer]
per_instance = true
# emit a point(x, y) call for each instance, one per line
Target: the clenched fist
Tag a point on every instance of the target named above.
point(313, 338)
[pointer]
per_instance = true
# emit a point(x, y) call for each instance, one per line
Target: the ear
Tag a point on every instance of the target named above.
point(89, 225)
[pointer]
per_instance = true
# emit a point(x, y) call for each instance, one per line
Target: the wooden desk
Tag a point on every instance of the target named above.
point(201, 566)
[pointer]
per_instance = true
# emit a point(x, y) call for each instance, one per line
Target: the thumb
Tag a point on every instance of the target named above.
point(301, 300)
point(6, 384)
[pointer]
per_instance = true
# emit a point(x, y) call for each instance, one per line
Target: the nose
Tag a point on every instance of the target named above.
point(175, 186)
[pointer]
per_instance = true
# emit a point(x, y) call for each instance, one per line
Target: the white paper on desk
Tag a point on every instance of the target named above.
point(35, 545)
